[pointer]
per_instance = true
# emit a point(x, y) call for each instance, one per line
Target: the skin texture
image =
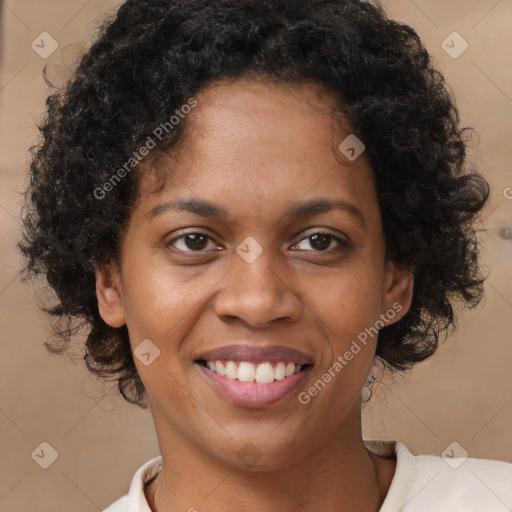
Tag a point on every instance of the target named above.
point(255, 149)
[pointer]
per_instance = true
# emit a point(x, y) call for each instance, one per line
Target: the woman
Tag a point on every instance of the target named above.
point(250, 205)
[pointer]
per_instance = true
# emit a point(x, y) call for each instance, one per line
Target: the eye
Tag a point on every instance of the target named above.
point(191, 242)
point(323, 242)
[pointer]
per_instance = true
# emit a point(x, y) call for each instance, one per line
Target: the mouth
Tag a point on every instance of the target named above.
point(261, 373)
point(254, 376)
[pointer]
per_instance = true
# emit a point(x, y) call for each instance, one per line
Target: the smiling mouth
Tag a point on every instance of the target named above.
point(261, 373)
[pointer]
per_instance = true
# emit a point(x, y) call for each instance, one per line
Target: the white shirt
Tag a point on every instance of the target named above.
point(422, 483)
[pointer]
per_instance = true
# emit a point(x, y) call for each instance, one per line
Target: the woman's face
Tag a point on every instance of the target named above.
point(262, 257)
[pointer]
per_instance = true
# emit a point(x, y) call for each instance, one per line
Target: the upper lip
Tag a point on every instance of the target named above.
point(256, 354)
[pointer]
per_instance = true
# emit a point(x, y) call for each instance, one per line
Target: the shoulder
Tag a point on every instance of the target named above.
point(463, 483)
point(135, 500)
point(467, 484)
point(444, 483)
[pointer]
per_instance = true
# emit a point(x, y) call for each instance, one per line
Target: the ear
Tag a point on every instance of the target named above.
point(110, 296)
point(398, 290)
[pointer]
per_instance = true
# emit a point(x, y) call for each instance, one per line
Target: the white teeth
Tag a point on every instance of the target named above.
point(263, 373)
point(280, 371)
point(246, 372)
point(290, 369)
point(231, 370)
point(221, 370)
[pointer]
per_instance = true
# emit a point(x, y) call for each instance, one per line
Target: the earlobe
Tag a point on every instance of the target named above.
point(110, 298)
point(399, 290)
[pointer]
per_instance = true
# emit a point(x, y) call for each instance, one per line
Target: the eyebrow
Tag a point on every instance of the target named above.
point(300, 210)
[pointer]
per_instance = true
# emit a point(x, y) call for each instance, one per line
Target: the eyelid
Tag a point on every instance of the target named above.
point(324, 231)
point(190, 231)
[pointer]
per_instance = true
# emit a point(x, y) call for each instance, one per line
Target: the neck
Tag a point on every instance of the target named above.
point(341, 475)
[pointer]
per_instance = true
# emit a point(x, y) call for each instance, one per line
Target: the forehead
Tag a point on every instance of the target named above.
point(254, 143)
point(268, 112)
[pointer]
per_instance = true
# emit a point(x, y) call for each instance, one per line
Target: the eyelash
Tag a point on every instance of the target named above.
point(342, 242)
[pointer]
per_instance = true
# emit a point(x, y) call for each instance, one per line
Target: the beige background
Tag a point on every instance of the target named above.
point(462, 394)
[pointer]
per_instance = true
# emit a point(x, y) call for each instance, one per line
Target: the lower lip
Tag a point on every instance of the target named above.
point(251, 394)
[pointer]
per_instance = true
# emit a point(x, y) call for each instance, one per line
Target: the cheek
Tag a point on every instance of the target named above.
point(164, 304)
point(351, 300)
point(350, 308)
point(349, 305)
point(159, 306)
point(157, 299)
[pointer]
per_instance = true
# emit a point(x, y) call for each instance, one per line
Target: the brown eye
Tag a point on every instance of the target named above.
point(324, 242)
point(191, 242)
point(320, 241)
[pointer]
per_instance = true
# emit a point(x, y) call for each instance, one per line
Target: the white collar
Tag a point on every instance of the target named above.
point(136, 499)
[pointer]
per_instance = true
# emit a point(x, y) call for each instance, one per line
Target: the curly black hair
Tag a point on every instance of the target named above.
point(149, 61)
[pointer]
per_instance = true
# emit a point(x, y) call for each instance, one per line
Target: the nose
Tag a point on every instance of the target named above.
point(257, 294)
